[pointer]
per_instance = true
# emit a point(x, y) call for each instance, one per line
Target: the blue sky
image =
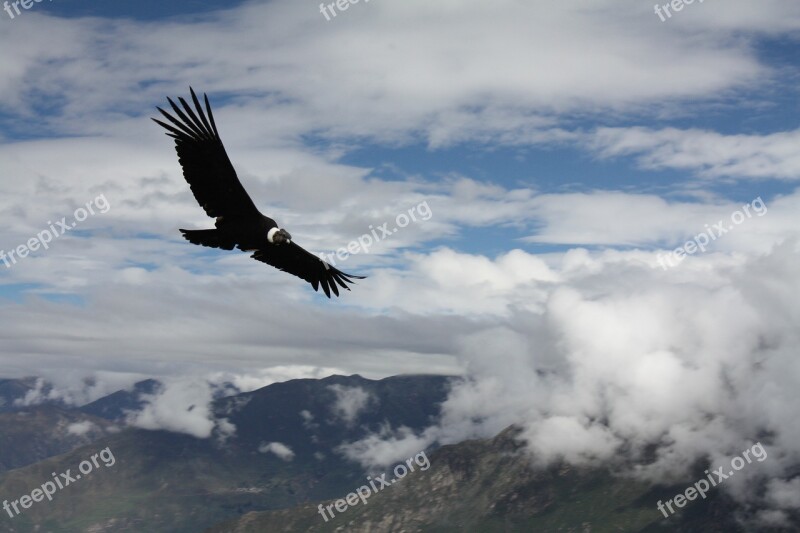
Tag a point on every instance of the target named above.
point(561, 147)
point(144, 10)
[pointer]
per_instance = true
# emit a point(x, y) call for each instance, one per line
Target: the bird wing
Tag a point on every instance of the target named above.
point(293, 259)
point(206, 165)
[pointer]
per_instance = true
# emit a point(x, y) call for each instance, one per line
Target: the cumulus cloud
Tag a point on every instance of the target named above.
point(224, 430)
point(41, 392)
point(81, 428)
point(182, 406)
point(785, 494)
point(385, 447)
point(350, 402)
point(308, 420)
point(624, 358)
point(137, 278)
point(281, 450)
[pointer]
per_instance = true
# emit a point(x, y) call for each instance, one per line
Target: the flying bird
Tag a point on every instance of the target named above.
point(239, 224)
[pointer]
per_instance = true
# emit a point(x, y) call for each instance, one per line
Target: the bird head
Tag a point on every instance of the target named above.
point(280, 236)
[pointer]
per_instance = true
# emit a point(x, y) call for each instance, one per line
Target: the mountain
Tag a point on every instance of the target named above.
point(12, 390)
point(35, 433)
point(115, 405)
point(490, 486)
point(284, 460)
point(167, 482)
point(302, 414)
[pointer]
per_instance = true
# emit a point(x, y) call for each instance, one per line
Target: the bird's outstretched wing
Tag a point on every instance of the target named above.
point(295, 260)
point(206, 166)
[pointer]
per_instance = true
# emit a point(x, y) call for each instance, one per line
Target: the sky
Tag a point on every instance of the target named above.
point(556, 155)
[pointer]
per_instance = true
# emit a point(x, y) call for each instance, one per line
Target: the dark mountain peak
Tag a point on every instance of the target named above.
point(147, 386)
point(114, 406)
point(510, 439)
point(314, 416)
point(27, 381)
point(342, 377)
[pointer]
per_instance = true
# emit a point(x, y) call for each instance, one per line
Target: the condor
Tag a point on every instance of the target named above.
point(239, 224)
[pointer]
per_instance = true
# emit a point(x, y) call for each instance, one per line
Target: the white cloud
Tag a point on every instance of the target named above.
point(350, 402)
point(784, 494)
point(416, 306)
point(697, 361)
point(181, 406)
point(225, 429)
point(35, 396)
point(384, 448)
point(75, 388)
point(707, 153)
point(616, 218)
point(263, 377)
point(81, 428)
point(281, 450)
point(396, 76)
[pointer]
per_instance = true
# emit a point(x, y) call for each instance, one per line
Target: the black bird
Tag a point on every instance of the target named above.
point(219, 192)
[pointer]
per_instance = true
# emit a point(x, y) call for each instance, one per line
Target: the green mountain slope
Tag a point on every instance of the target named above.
point(36, 433)
point(168, 482)
point(489, 486)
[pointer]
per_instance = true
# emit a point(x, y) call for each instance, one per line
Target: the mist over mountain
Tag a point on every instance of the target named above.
point(279, 452)
point(278, 447)
point(117, 405)
point(15, 394)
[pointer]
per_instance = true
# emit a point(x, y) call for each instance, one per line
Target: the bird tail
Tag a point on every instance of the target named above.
point(207, 237)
